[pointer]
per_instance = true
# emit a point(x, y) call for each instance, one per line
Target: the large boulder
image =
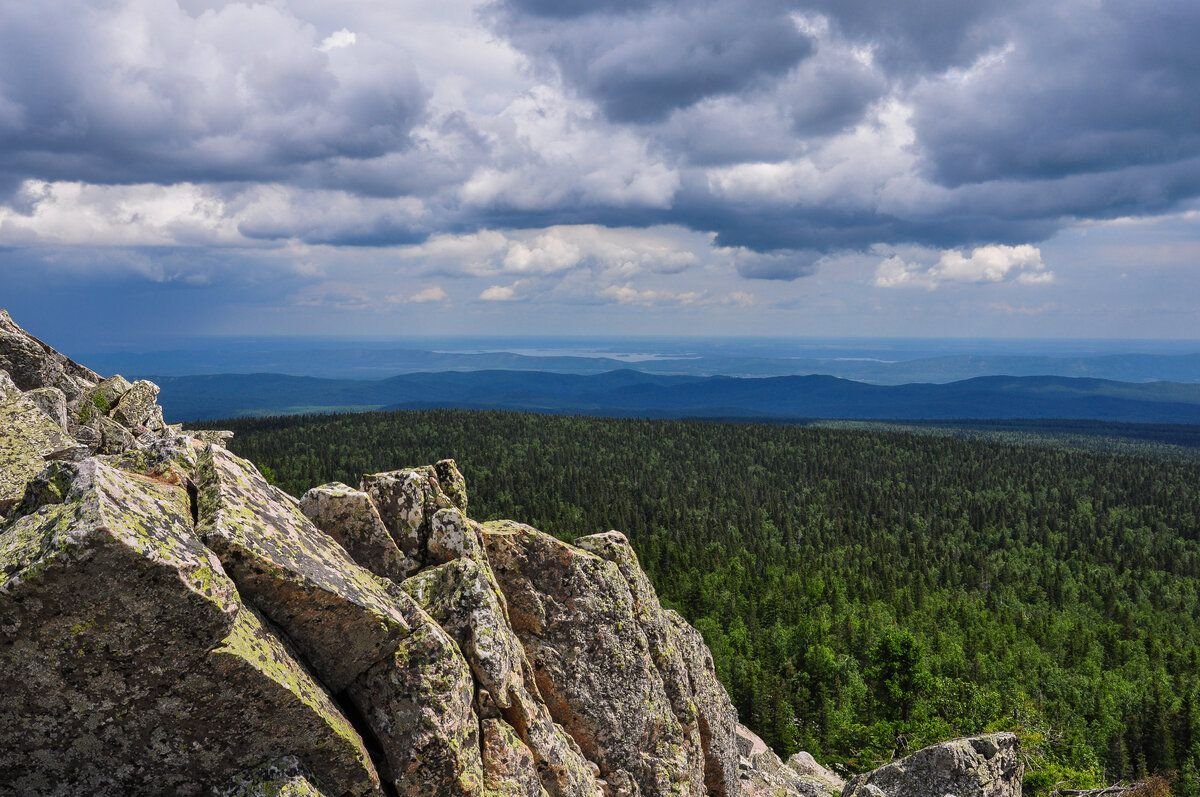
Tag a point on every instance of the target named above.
point(418, 703)
point(350, 517)
point(407, 500)
point(715, 714)
point(131, 664)
point(340, 615)
point(575, 616)
point(462, 596)
point(28, 439)
point(461, 599)
point(983, 766)
point(33, 364)
point(818, 778)
point(667, 652)
point(509, 768)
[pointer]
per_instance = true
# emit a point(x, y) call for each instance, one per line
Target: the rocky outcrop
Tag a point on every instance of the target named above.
point(575, 616)
point(132, 666)
point(171, 623)
point(763, 774)
point(984, 766)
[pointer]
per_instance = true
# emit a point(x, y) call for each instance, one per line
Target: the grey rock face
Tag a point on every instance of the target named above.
point(51, 401)
point(32, 364)
point(131, 664)
point(340, 615)
point(350, 517)
point(574, 614)
point(418, 703)
point(983, 766)
point(28, 439)
point(407, 500)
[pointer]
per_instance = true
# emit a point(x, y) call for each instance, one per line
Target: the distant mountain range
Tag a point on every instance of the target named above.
point(876, 364)
point(634, 393)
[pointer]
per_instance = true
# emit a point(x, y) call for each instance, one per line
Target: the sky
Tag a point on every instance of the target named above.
point(997, 168)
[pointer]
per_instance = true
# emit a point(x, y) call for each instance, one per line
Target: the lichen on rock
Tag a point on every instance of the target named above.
point(350, 517)
point(336, 612)
point(983, 766)
point(575, 615)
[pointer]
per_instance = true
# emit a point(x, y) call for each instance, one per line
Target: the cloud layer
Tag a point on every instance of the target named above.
point(630, 152)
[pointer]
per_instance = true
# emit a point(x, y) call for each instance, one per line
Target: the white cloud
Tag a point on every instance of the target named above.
point(337, 40)
point(555, 250)
point(549, 150)
point(434, 293)
point(500, 293)
point(985, 264)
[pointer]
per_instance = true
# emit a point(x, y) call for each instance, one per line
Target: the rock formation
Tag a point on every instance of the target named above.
point(986, 766)
point(171, 623)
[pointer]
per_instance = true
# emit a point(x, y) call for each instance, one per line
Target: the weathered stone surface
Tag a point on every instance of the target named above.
point(130, 665)
point(665, 648)
point(216, 437)
point(33, 364)
point(114, 438)
point(28, 438)
point(51, 401)
point(452, 482)
point(453, 536)
point(137, 405)
point(349, 516)
point(560, 761)
point(460, 597)
point(418, 704)
point(810, 772)
point(99, 400)
point(574, 614)
point(284, 786)
point(763, 774)
point(715, 715)
point(509, 769)
point(340, 616)
point(407, 500)
point(983, 766)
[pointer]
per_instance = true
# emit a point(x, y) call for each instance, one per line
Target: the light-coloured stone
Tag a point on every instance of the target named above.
point(131, 665)
point(509, 769)
point(810, 772)
point(28, 439)
point(452, 482)
point(983, 766)
point(350, 517)
point(418, 703)
point(574, 614)
point(407, 500)
point(51, 401)
point(137, 406)
point(340, 615)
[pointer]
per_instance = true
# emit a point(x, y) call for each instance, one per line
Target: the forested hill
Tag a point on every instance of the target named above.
point(631, 393)
point(864, 592)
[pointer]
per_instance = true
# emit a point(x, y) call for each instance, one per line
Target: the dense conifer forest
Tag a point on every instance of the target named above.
point(864, 592)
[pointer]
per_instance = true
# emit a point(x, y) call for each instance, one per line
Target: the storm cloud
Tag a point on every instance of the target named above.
point(652, 152)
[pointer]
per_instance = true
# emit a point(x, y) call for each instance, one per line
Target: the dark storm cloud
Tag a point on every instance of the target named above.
point(641, 66)
point(111, 95)
point(1109, 86)
point(920, 36)
point(797, 126)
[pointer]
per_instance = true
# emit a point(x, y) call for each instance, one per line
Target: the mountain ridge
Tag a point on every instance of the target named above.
point(628, 392)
